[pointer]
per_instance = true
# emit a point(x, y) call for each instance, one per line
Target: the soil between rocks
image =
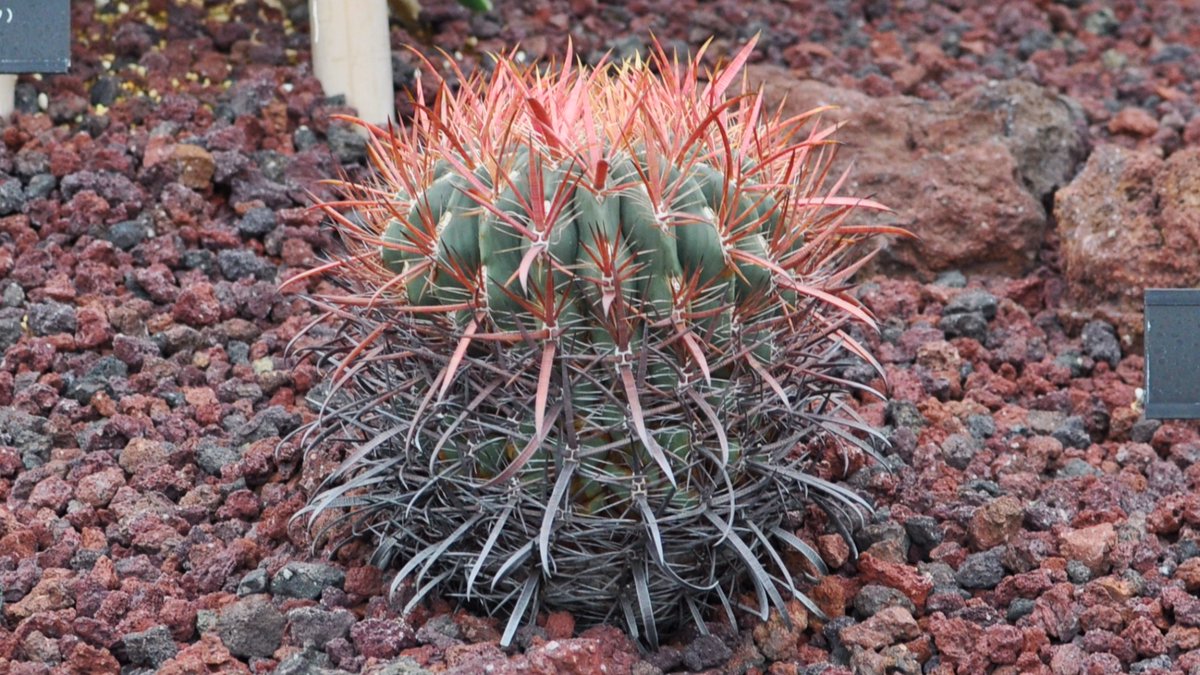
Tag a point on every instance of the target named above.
point(152, 199)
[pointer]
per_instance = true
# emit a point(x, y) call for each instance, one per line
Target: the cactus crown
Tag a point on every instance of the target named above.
point(591, 342)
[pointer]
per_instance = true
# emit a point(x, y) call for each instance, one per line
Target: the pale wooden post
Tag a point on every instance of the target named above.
point(352, 54)
point(8, 94)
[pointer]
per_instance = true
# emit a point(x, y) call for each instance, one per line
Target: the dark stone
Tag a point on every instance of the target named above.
point(99, 377)
point(1078, 364)
point(251, 627)
point(199, 259)
point(969, 324)
point(1100, 342)
point(126, 234)
point(832, 631)
point(886, 531)
point(304, 138)
point(904, 414)
point(347, 146)
point(1018, 608)
point(666, 658)
point(213, 455)
point(981, 570)
point(255, 581)
point(951, 279)
point(706, 651)
point(1072, 433)
point(13, 296)
point(972, 302)
point(150, 648)
point(104, 90)
point(981, 426)
point(266, 423)
point(12, 197)
point(51, 318)
point(1078, 572)
point(1172, 52)
point(440, 631)
point(10, 328)
point(1186, 550)
point(1143, 430)
point(982, 486)
point(272, 164)
point(873, 597)
point(318, 626)
point(959, 449)
point(1034, 40)
point(1161, 663)
point(309, 661)
point(305, 580)
point(114, 187)
point(25, 99)
point(1102, 22)
point(25, 432)
point(40, 186)
point(257, 222)
point(237, 264)
point(923, 531)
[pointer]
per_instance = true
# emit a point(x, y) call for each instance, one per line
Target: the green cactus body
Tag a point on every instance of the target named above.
point(604, 361)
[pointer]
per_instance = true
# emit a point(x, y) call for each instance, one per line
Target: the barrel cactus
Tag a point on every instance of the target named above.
point(590, 326)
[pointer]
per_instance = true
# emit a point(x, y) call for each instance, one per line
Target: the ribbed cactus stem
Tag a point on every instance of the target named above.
point(605, 310)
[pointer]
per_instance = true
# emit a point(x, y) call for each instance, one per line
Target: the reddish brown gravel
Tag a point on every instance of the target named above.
point(1030, 520)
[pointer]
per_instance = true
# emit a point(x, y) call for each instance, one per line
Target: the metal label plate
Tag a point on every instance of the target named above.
point(1172, 353)
point(35, 36)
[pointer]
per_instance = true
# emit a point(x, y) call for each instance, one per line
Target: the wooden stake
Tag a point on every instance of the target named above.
point(8, 94)
point(352, 54)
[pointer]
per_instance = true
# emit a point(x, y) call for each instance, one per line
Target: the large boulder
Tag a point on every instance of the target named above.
point(1130, 221)
point(969, 177)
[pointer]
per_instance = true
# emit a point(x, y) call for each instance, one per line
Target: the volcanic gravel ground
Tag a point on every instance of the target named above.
point(151, 201)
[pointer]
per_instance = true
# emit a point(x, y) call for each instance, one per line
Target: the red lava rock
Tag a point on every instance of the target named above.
point(241, 504)
point(1189, 573)
point(893, 162)
point(1155, 217)
point(833, 549)
point(93, 329)
point(51, 593)
point(995, 523)
point(888, 626)
point(204, 400)
point(142, 454)
point(98, 489)
point(121, 531)
point(204, 656)
point(1002, 643)
point(560, 626)
point(52, 493)
point(195, 165)
point(1089, 545)
point(197, 305)
point(382, 638)
point(1147, 640)
point(84, 659)
point(158, 282)
point(1055, 611)
point(777, 640)
point(830, 596)
point(903, 578)
point(955, 638)
point(1133, 121)
point(365, 580)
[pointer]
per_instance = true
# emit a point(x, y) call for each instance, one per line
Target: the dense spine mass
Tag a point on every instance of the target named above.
point(590, 344)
